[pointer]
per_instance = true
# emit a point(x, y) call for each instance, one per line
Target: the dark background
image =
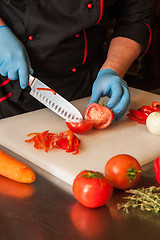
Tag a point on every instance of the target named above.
point(144, 73)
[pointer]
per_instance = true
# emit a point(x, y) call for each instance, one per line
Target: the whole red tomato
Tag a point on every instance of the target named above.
point(80, 127)
point(101, 115)
point(123, 171)
point(92, 189)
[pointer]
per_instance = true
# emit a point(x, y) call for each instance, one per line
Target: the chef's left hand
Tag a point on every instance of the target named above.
point(109, 84)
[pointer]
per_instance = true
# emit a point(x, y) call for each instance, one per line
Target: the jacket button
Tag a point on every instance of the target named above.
point(30, 37)
point(74, 69)
point(90, 5)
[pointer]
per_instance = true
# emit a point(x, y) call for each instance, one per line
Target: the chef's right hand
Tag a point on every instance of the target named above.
point(14, 60)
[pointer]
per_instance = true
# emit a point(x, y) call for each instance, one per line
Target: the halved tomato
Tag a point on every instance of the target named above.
point(101, 115)
point(80, 127)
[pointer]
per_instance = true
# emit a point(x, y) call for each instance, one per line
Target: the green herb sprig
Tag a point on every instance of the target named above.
point(147, 199)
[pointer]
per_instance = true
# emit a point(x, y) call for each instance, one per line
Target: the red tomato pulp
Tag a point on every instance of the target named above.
point(101, 115)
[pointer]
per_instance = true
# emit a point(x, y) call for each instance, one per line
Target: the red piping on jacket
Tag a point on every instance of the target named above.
point(5, 97)
point(85, 47)
point(101, 11)
point(150, 37)
point(5, 82)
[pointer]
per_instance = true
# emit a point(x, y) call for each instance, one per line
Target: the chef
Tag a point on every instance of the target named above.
point(62, 42)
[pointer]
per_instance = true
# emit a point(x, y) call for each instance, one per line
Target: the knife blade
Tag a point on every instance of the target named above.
point(53, 100)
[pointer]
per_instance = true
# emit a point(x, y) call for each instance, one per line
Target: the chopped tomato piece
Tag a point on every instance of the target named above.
point(147, 109)
point(65, 140)
point(156, 105)
point(142, 113)
point(47, 89)
point(137, 115)
point(76, 145)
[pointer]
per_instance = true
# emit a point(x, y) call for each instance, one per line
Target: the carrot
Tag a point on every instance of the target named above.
point(15, 189)
point(15, 170)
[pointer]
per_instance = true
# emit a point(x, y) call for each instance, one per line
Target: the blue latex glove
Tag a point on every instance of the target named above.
point(14, 60)
point(109, 84)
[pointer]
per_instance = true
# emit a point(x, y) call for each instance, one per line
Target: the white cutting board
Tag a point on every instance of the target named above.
point(96, 147)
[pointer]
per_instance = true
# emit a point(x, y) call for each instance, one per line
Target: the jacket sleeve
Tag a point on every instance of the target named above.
point(134, 20)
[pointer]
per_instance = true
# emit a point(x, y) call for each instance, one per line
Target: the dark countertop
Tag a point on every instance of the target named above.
point(51, 212)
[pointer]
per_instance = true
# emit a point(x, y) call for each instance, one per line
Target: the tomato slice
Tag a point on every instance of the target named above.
point(80, 127)
point(101, 115)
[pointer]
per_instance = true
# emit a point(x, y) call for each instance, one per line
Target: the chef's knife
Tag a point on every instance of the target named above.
point(53, 100)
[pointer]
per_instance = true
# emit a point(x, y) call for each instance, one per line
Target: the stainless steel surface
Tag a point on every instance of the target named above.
point(55, 102)
point(53, 213)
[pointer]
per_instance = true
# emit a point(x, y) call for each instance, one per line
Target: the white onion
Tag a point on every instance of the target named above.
point(153, 123)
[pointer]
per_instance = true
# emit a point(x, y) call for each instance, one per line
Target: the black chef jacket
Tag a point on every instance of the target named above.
point(65, 42)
